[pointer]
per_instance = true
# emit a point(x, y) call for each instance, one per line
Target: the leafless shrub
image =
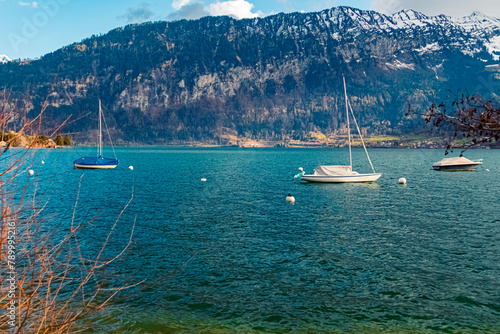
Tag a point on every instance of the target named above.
point(471, 118)
point(48, 282)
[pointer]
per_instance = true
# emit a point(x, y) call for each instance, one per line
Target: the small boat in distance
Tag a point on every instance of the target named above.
point(457, 164)
point(342, 174)
point(98, 162)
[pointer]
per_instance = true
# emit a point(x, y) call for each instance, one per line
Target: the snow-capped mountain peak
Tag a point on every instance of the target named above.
point(410, 14)
point(471, 34)
point(478, 21)
point(4, 59)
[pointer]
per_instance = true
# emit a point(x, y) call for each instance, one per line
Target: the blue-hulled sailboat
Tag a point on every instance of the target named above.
point(98, 162)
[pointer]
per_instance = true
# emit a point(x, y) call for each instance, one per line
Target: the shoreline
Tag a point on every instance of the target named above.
point(379, 141)
point(18, 140)
point(179, 145)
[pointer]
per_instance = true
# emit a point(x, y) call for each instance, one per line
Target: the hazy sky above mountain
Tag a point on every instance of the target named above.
point(32, 28)
point(432, 7)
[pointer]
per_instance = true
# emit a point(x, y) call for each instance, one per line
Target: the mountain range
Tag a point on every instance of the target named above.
point(266, 78)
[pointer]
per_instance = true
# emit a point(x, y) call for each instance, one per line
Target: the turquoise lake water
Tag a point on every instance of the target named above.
point(231, 255)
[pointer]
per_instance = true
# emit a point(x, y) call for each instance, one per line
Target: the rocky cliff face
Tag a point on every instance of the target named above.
point(265, 78)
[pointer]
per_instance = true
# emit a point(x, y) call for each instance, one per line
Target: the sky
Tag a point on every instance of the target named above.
point(30, 29)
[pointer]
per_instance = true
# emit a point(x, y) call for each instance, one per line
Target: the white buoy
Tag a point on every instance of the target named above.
point(290, 198)
point(203, 180)
point(402, 180)
point(31, 172)
point(43, 162)
point(131, 167)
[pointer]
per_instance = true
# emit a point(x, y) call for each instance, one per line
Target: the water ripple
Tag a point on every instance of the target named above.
point(230, 255)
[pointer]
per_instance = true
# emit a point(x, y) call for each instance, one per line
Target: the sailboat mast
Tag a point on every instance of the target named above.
point(348, 124)
point(361, 136)
point(100, 130)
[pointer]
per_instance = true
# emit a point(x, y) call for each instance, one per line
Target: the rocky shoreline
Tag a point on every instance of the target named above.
point(20, 140)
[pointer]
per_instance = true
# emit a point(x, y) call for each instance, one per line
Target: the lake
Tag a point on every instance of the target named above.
point(231, 255)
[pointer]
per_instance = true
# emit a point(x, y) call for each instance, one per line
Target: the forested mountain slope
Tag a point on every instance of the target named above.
point(262, 78)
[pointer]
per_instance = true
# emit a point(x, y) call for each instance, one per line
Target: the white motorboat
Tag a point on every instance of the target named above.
point(457, 164)
point(342, 174)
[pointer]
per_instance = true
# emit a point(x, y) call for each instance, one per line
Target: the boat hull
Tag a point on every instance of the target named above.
point(95, 163)
point(359, 178)
point(77, 166)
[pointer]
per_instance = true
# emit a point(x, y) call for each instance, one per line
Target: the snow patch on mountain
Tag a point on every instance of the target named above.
point(409, 18)
point(493, 47)
point(428, 48)
point(398, 65)
point(4, 59)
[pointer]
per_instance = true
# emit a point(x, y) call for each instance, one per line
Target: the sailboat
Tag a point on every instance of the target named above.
point(342, 174)
point(98, 162)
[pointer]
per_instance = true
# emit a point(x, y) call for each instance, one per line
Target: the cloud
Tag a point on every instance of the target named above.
point(239, 9)
point(178, 4)
point(136, 15)
point(457, 8)
point(192, 11)
point(33, 4)
point(187, 9)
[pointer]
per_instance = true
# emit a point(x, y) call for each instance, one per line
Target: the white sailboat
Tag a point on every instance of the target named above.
point(342, 174)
